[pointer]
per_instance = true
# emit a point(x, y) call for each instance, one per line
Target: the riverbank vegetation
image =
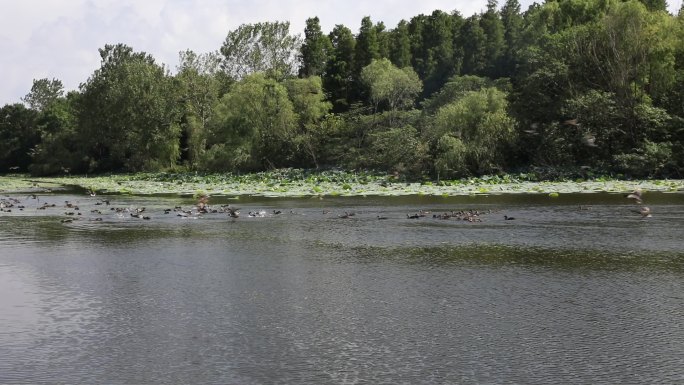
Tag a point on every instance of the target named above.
point(306, 183)
point(573, 88)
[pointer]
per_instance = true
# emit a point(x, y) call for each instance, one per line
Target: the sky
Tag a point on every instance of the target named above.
point(60, 38)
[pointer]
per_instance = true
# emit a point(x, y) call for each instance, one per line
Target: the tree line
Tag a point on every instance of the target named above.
point(568, 86)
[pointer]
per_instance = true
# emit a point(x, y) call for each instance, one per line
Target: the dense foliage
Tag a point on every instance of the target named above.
point(569, 86)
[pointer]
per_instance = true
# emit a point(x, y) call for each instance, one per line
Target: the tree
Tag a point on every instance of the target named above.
point(253, 127)
point(61, 149)
point(127, 115)
point(383, 39)
point(630, 54)
point(400, 45)
point(438, 47)
point(474, 43)
point(493, 30)
point(397, 149)
point(479, 119)
point(311, 108)
point(655, 5)
point(19, 134)
point(262, 47)
point(338, 77)
point(512, 22)
point(43, 93)
point(315, 49)
point(388, 84)
point(367, 46)
point(200, 86)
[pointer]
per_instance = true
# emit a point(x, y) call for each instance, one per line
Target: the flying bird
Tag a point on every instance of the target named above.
point(636, 195)
point(589, 140)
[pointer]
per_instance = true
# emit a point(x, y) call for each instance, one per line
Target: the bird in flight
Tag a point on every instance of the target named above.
point(636, 195)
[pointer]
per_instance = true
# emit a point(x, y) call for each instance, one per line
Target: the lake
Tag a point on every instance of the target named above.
point(577, 289)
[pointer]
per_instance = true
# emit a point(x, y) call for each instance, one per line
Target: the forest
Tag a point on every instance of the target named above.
point(567, 87)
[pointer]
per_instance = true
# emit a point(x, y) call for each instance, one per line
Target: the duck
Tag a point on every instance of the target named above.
point(645, 212)
point(636, 195)
point(507, 218)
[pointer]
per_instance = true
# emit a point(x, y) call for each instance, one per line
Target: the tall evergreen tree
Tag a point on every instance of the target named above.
point(473, 41)
point(439, 47)
point(383, 37)
point(512, 21)
point(338, 77)
point(315, 49)
point(494, 39)
point(367, 46)
point(400, 45)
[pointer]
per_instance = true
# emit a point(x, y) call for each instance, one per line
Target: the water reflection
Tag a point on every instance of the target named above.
point(562, 294)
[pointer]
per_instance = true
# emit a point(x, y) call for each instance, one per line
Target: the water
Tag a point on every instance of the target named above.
point(578, 289)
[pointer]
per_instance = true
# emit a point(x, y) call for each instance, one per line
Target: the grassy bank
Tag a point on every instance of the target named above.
point(294, 183)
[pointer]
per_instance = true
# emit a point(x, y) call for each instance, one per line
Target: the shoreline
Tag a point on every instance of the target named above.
point(142, 184)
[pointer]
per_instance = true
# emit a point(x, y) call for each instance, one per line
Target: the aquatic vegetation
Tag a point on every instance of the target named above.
point(305, 183)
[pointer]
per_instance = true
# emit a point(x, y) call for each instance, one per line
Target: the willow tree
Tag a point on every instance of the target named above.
point(200, 85)
point(311, 108)
point(262, 47)
point(395, 87)
point(472, 134)
point(252, 128)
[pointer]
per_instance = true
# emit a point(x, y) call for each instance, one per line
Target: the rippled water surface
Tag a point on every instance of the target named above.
point(578, 289)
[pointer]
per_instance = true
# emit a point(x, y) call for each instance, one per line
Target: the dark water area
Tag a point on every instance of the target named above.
point(577, 289)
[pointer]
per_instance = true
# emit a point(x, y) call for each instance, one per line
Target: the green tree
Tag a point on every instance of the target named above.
point(395, 87)
point(262, 47)
point(397, 149)
point(19, 133)
point(200, 84)
point(630, 54)
point(439, 62)
point(311, 109)
point(253, 127)
point(367, 46)
point(400, 45)
point(126, 115)
point(60, 149)
point(512, 22)
point(383, 36)
point(314, 50)
point(479, 119)
point(338, 77)
point(43, 93)
point(474, 43)
point(493, 29)
point(655, 5)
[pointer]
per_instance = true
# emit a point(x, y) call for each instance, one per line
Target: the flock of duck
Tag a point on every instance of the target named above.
point(73, 212)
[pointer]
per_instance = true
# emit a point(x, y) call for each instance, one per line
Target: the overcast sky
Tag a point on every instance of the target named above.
point(60, 38)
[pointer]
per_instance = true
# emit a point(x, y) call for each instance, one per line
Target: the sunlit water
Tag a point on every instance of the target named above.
point(578, 289)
